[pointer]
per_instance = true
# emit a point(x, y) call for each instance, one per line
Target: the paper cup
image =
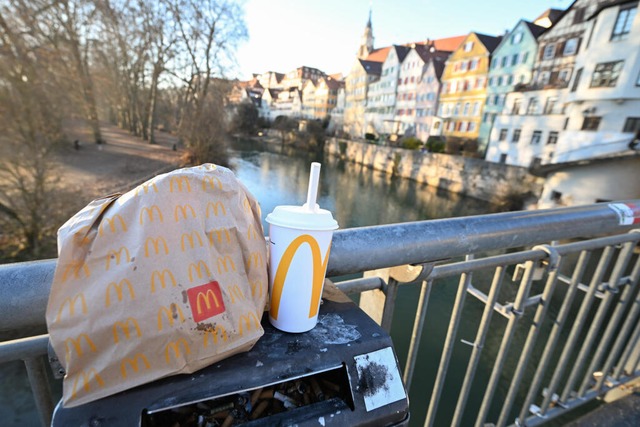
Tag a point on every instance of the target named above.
point(300, 240)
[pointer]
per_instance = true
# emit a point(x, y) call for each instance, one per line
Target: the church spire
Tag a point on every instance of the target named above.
point(366, 41)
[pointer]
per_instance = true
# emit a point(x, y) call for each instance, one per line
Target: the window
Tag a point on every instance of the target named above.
point(591, 123)
point(494, 63)
point(514, 59)
point(564, 75)
point(465, 110)
point(578, 16)
point(503, 158)
point(463, 66)
point(436, 126)
point(500, 81)
point(476, 108)
point(536, 137)
point(516, 107)
point(623, 23)
point(525, 56)
point(549, 51)
point(550, 105)
point(632, 124)
point(492, 81)
point(570, 47)
point(504, 61)
point(510, 79)
point(468, 46)
point(516, 135)
point(503, 135)
point(430, 96)
point(576, 80)
point(532, 108)
point(456, 110)
point(471, 127)
point(516, 38)
point(553, 138)
point(543, 78)
point(606, 74)
point(473, 64)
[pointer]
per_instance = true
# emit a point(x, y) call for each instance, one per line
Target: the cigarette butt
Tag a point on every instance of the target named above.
point(259, 409)
point(268, 394)
point(227, 421)
point(256, 395)
point(317, 391)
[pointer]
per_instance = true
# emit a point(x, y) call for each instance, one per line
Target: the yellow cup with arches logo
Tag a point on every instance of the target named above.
point(299, 243)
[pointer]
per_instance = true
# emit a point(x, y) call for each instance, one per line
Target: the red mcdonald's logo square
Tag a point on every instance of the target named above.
point(205, 301)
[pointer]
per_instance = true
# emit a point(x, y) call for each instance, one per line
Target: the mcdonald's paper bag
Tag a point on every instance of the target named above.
point(165, 279)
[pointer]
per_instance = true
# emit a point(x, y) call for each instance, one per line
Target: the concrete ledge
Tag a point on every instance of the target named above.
point(624, 412)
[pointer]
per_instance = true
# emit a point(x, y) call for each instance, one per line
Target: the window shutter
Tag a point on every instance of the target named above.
point(559, 49)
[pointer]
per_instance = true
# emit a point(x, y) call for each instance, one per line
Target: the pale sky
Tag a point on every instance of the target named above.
point(325, 34)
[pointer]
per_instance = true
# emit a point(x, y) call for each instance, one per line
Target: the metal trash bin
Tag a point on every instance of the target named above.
point(343, 372)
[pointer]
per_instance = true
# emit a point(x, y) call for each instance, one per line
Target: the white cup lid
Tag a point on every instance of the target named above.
point(302, 218)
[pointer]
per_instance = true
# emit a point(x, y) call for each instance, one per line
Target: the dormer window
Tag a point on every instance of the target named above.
point(516, 38)
point(468, 46)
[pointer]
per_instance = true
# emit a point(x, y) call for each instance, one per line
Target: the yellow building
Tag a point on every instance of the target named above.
point(464, 86)
point(326, 96)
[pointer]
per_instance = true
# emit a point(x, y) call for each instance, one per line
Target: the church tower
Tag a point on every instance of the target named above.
point(366, 42)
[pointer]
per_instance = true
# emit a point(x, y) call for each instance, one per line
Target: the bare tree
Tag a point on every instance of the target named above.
point(209, 32)
point(30, 116)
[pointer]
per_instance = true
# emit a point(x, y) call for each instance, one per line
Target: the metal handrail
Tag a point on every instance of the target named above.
point(24, 289)
point(354, 250)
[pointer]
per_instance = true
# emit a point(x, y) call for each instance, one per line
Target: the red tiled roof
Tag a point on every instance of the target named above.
point(449, 44)
point(378, 55)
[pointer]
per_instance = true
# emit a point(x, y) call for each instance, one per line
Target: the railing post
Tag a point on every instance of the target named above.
point(373, 302)
point(39, 381)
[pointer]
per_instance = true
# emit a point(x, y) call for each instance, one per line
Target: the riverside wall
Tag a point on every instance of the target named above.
point(493, 182)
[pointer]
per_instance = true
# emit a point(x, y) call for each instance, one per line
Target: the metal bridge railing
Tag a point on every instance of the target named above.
point(568, 324)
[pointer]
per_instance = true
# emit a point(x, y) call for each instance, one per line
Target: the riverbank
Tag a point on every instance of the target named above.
point(493, 182)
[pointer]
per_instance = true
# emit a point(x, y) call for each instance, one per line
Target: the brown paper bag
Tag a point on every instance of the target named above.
point(165, 279)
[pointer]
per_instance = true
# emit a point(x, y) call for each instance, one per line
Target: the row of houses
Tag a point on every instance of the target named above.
point(556, 94)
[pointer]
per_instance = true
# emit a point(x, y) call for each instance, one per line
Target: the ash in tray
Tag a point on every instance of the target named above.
point(331, 329)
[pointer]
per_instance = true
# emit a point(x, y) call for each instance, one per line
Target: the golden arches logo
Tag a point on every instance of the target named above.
point(150, 214)
point(171, 313)
point(222, 264)
point(112, 224)
point(220, 233)
point(251, 232)
point(117, 256)
point(133, 363)
point(118, 288)
point(207, 298)
point(256, 259)
point(190, 238)
point(145, 188)
point(162, 278)
point(256, 286)
point(75, 267)
point(247, 204)
point(178, 182)
point(86, 381)
point(156, 246)
point(247, 321)
point(72, 305)
point(175, 346)
point(124, 327)
point(235, 293)
point(216, 333)
point(183, 210)
point(212, 181)
point(81, 236)
point(76, 343)
point(318, 269)
point(215, 208)
point(199, 268)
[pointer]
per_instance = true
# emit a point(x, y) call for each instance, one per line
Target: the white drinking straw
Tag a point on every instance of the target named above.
point(312, 192)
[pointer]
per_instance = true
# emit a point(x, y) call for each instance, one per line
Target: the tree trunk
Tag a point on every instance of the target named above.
point(153, 96)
